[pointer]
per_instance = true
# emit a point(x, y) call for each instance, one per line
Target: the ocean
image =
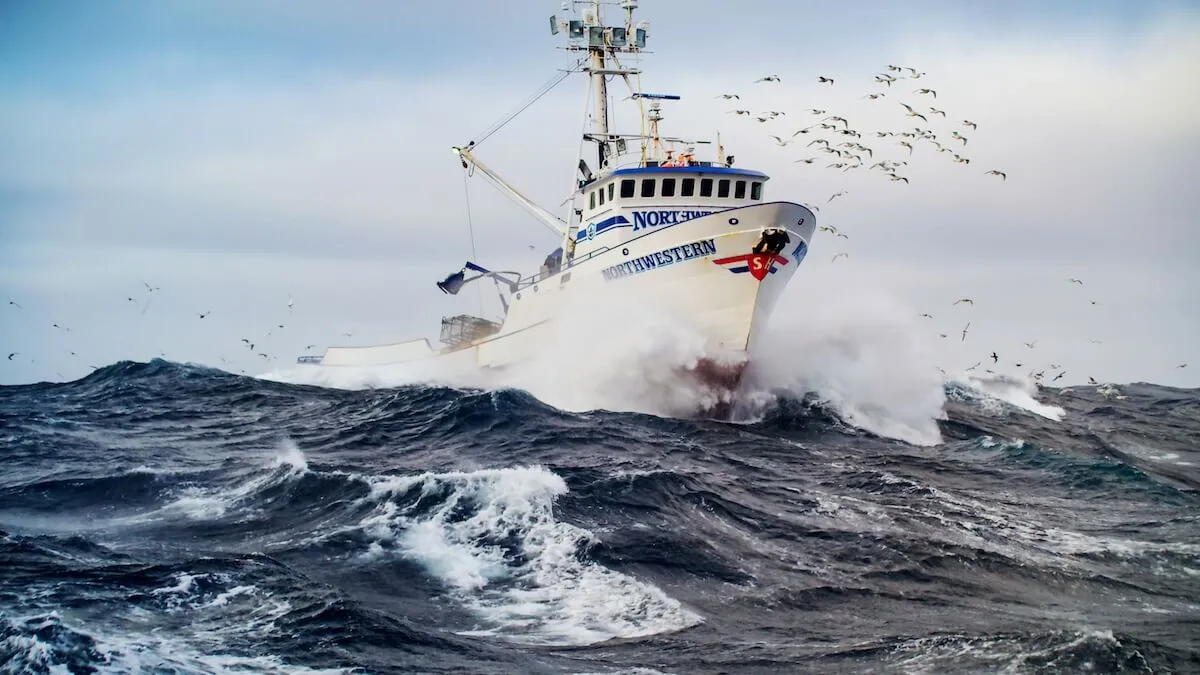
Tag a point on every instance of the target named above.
point(169, 518)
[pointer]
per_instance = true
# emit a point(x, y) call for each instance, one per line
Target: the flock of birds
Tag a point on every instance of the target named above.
point(847, 150)
point(832, 134)
point(143, 302)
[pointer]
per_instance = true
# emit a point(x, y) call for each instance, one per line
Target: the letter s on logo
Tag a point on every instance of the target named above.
point(757, 263)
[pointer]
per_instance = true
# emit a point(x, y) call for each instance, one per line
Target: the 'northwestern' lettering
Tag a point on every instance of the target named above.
point(660, 259)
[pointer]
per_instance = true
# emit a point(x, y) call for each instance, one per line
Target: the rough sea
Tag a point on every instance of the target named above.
point(173, 518)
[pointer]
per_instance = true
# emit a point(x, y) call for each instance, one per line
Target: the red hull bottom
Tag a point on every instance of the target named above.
point(722, 380)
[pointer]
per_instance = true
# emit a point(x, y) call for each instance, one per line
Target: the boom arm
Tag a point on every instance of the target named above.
point(548, 219)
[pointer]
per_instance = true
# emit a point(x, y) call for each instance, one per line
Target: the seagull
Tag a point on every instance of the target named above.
point(1075, 281)
point(839, 255)
point(836, 194)
point(204, 314)
point(995, 359)
point(875, 96)
point(925, 91)
point(728, 96)
point(957, 136)
point(935, 111)
point(827, 228)
point(1058, 376)
point(815, 111)
point(290, 303)
point(780, 142)
point(769, 78)
point(740, 112)
point(810, 160)
point(1031, 344)
point(10, 356)
point(927, 316)
point(907, 145)
point(969, 123)
point(894, 177)
point(994, 172)
point(1182, 365)
point(964, 332)
point(822, 78)
point(966, 300)
point(1092, 380)
point(14, 304)
point(977, 364)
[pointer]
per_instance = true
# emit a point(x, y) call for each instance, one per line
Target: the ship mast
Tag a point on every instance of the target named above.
point(589, 33)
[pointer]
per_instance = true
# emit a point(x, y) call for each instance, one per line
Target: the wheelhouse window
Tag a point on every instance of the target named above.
point(601, 191)
point(612, 187)
point(739, 191)
point(706, 187)
point(723, 188)
point(687, 187)
point(756, 190)
point(668, 187)
point(592, 201)
point(648, 187)
point(627, 188)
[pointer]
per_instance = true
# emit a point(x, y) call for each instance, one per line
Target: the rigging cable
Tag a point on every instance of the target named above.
point(545, 89)
point(471, 232)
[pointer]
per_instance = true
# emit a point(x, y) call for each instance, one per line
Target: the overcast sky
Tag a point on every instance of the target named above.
point(235, 154)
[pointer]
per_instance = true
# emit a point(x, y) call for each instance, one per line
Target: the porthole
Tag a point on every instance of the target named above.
point(733, 221)
point(624, 251)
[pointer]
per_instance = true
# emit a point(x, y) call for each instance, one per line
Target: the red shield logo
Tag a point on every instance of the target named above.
point(760, 265)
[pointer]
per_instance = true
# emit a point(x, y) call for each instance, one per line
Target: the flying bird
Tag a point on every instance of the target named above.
point(728, 96)
point(1075, 281)
point(836, 194)
point(1031, 344)
point(822, 78)
point(10, 356)
point(964, 332)
point(839, 255)
point(203, 314)
point(969, 123)
point(966, 300)
point(925, 91)
point(994, 172)
point(995, 358)
point(927, 316)
point(768, 78)
point(14, 304)
point(1182, 365)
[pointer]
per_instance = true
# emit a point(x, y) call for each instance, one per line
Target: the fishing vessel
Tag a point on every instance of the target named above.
point(651, 218)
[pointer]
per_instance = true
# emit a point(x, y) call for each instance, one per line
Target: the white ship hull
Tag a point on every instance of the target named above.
point(703, 269)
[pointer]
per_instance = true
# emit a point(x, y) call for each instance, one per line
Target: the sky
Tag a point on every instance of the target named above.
point(235, 156)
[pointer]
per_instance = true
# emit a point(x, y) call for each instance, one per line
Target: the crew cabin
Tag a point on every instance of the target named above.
point(631, 202)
